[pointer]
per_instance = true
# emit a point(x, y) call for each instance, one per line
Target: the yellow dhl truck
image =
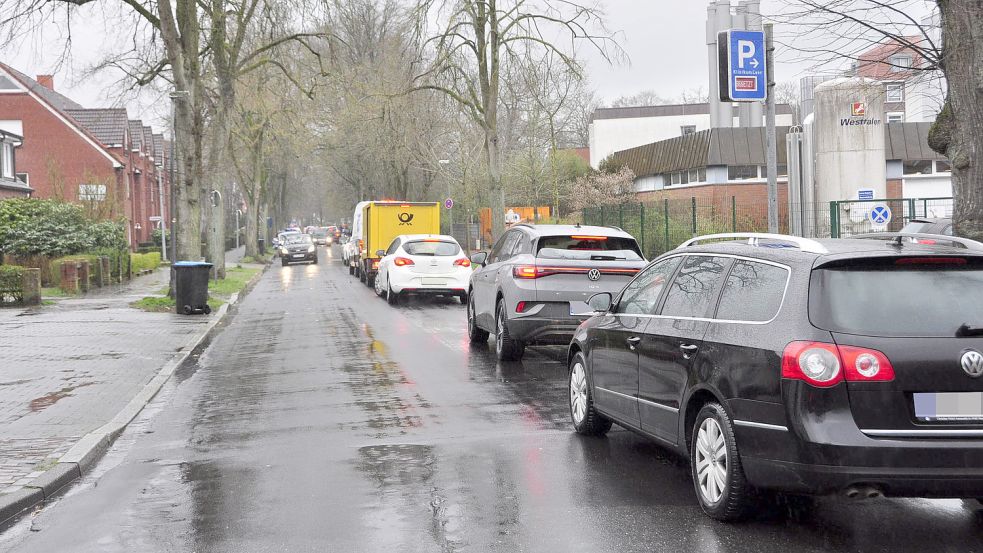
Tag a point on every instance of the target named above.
point(379, 223)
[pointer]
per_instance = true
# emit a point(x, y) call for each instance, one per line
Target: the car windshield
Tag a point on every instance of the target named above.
point(899, 298)
point(584, 247)
point(297, 238)
point(437, 248)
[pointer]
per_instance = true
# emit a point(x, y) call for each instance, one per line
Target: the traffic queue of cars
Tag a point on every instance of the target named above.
point(774, 364)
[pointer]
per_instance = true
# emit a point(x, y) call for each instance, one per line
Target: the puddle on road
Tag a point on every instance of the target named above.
point(43, 402)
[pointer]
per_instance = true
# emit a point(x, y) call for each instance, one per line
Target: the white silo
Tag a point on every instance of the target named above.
point(849, 143)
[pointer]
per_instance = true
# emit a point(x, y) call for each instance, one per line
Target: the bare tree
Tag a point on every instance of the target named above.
point(479, 40)
point(831, 31)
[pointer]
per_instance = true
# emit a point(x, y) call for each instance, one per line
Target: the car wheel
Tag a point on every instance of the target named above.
point(314, 262)
point(378, 288)
point(586, 419)
point(283, 261)
point(351, 270)
point(370, 281)
point(463, 298)
point(361, 275)
point(721, 487)
point(506, 348)
point(392, 298)
point(476, 334)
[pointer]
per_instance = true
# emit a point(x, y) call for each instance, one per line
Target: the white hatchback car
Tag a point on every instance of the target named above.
point(423, 264)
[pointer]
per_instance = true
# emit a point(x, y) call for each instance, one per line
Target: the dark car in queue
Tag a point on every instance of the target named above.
point(297, 247)
point(321, 236)
point(791, 365)
point(533, 286)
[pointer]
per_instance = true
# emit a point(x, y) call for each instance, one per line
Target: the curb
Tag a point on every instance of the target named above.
point(80, 459)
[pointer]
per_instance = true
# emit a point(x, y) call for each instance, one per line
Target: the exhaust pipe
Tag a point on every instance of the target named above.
point(862, 491)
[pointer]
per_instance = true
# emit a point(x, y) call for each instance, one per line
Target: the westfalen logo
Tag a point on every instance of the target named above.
point(858, 116)
point(405, 218)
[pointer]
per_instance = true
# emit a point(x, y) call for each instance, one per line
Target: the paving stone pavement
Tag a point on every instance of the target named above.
point(68, 368)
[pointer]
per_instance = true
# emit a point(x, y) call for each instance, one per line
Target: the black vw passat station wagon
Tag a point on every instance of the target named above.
point(793, 365)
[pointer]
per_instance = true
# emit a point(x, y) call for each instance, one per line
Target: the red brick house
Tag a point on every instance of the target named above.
point(96, 157)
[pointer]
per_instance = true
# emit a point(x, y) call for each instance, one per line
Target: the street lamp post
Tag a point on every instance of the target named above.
point(238, 214)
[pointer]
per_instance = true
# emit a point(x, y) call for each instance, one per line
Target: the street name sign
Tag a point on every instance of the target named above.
point(741, 66)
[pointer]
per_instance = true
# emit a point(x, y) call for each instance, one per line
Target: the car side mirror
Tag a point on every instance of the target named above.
point(601, 302)
point(479, 258)
point(380, 253)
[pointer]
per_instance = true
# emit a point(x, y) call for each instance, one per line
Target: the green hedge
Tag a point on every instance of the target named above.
point(11, 284)
point(141, 261)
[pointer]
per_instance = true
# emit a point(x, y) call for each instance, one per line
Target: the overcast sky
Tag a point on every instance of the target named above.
point(664, 39)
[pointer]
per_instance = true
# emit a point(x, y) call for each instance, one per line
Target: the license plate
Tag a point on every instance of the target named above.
point(949, 406)
point(434, 281)
point(298, 255)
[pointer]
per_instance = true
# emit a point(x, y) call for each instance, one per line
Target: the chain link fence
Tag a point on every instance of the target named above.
point(662, 225)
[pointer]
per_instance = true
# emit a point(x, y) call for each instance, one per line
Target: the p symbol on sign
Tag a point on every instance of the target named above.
point(746, 51)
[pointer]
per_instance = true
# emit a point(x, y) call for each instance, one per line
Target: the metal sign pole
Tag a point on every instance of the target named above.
point(770, 131)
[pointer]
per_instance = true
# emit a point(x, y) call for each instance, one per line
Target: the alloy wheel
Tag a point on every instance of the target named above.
point(711, 461)
point(500, 331)
point(578, 393)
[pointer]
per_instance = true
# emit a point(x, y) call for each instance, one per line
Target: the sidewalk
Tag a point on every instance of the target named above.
point(69, 368)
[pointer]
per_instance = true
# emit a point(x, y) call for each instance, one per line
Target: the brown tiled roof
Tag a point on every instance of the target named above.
point(60, 102)
point(136, 134)
point(107, 125)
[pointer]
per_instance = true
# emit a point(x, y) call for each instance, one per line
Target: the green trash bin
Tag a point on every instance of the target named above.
point(191, 287)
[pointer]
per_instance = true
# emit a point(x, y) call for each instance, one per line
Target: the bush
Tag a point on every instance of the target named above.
point(156, 237)
point(33, 227)
point(11, 284)
point(141, 261)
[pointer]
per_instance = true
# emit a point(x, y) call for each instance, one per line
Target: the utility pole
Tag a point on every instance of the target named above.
point(163, 218)
point(772, 145)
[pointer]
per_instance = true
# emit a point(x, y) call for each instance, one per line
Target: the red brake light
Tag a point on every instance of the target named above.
point(463, 262)
point(589, 237)
point(925, 241)
point(520, 307)
point(931, 261)
point(375, 264)
point(534, 271)
point(824, 365)
point(402, 262)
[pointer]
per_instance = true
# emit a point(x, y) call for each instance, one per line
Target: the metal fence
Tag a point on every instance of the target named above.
point(661, 226)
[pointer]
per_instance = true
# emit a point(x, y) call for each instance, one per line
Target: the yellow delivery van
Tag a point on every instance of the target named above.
point(382, 222)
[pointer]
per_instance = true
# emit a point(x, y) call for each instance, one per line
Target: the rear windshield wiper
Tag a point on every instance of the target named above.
point(965, 331)
point(603, 258)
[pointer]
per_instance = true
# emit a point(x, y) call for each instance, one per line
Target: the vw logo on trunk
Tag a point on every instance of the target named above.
point(594, 274)
point(972, 362)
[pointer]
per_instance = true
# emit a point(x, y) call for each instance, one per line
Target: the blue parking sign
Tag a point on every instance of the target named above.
point(741, 65)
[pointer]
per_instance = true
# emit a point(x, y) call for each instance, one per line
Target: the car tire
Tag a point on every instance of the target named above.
point(284, 262)
point(506, 348)
point(463, 298)
point(351, 270)
point(476, 334)
point(715, 463)
point(361, 275)
point(370, 281)
point(378, 289)
point(586, 420)
point(314, 262)
point(392, 298)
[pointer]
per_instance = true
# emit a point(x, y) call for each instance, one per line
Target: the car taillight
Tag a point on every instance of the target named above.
point(402, 262)
point(865, 365)
point(375, 264)
point(525, 271)
point(463, 262)
point(931, 261)
point(824, 365)
point(520, 307)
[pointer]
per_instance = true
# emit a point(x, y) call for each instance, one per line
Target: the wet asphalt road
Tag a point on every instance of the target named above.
point(322, 419)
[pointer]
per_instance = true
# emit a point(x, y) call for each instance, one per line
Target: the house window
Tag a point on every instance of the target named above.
point(92, 192)
point(900, 62)
point(942, 166)
point(917, 167)
point(895, 117)
point(677, 178)
point(894, 92)
point(684, 177)
point(742, 172)
point(7, 161)
point(687, 129)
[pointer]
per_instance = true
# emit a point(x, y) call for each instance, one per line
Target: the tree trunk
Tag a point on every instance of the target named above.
point(496, 193)
point(252, 228)
point(958, 131)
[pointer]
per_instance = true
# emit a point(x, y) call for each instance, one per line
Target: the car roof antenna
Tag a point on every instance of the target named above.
point(898, 241)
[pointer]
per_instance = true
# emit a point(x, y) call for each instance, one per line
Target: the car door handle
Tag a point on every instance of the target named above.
point(633, 341)
point(688, 350)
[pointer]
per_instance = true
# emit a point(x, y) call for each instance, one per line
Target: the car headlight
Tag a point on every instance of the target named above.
point(310, 249)
point(283, 251)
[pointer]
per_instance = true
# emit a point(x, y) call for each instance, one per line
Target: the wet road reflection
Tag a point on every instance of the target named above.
point(322, 419)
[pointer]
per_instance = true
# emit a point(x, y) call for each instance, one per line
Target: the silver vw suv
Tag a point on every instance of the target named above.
point(532, 287)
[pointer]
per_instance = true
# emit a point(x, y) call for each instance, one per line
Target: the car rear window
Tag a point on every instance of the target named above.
point(583, 247)
point(918, 226)
point(434, 248)
point(906, 297)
